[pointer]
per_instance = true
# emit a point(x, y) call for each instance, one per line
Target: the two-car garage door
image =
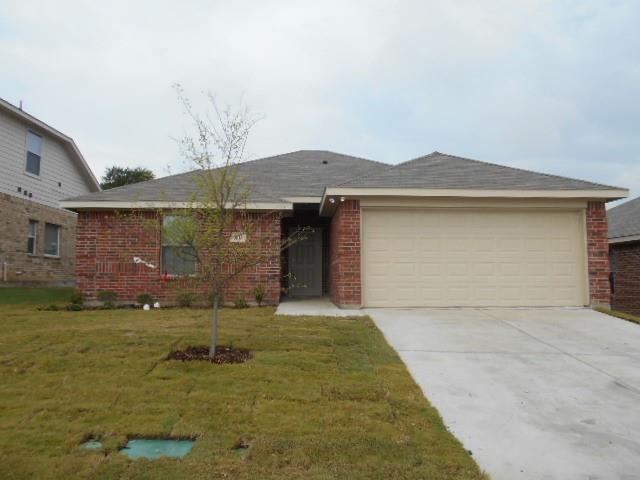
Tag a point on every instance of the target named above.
point(473, 257)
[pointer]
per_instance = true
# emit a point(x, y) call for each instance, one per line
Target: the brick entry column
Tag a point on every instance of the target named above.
point(598, 254)
point(344, 253)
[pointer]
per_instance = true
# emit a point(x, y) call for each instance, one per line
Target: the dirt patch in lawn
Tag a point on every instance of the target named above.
point(224, 354)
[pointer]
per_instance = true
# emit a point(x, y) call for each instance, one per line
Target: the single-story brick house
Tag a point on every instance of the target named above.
point(624, 255)
point(438, 230)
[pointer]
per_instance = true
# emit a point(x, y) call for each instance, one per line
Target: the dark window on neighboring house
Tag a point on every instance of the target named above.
point(34, 153)
point(52, 240)
point(176, 259)
point(32, 237)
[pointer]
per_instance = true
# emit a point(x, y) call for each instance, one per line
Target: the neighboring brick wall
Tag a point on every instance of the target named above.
point(344, 252)
point(625, 263)
point(598, 254)
point(108, 241)
point(14, 226)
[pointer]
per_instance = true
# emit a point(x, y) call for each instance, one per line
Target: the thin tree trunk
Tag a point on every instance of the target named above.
point(214, 326)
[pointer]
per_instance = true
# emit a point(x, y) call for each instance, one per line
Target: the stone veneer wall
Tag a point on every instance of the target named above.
point(22, 267)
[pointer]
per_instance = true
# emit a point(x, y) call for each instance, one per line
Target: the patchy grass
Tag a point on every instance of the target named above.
point(615, 313)
point(34, 296)
point(323, 398)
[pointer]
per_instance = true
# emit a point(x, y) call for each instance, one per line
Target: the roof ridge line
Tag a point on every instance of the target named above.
point(306, 150)
point(552, 175)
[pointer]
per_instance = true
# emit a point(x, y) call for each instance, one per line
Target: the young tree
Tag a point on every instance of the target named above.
point(119, 176)
point(218, 227)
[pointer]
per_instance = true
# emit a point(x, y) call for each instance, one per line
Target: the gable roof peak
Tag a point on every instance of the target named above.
point(66, 141)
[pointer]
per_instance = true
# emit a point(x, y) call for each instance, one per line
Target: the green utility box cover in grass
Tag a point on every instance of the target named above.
point(156, 448)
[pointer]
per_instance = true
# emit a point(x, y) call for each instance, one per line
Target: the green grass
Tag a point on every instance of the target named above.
point(615, 313)
point(34, 296)
point(324, 398)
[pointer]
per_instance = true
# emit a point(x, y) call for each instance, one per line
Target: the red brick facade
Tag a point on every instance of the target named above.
point(344, 254)
point(108, 241)
point(598, 254)
point(625, 264)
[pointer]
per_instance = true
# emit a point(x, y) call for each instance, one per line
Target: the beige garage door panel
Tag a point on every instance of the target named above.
point(465, 257)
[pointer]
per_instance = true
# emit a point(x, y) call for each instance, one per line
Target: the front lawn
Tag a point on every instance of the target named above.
point(34, 296)
point(615, 313)
point(323, 398)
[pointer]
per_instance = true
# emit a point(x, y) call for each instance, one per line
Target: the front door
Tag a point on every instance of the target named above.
point(305, 266)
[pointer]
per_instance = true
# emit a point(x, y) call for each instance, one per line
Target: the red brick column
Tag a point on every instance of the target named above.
point(598, 254)
point(344, 253)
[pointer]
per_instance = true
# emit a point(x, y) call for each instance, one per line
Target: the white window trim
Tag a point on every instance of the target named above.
point(26, 157)
point(58, 228)
point(35, 237)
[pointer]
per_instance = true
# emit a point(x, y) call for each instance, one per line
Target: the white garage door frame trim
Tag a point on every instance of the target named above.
point(578, 207)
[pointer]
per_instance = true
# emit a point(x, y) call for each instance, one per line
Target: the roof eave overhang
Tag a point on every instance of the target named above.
point(79, 205)
point(332, 195)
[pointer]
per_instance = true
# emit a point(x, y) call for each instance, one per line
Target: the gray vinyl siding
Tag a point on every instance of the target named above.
point(56, 165)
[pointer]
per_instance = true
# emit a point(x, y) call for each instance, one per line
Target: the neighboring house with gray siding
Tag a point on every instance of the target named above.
point(39, 166)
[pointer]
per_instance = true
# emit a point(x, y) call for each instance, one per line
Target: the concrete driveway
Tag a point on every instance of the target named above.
point(533, 393)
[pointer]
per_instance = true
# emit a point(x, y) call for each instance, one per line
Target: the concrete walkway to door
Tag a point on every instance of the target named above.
point(533, 393)
point(315, 306)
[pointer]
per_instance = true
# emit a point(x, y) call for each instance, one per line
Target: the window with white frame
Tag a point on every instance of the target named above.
point(177, 257)
point(34, 153)
point(32, 237)
point(52, 240)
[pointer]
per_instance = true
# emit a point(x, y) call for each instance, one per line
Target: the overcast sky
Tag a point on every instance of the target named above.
point(552, 86)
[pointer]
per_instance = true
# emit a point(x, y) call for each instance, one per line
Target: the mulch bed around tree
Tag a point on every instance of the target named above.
point(224, 354)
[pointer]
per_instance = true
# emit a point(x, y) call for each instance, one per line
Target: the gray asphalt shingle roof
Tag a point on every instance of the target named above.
point(297, 174)
point(624, 220)
point(440, 170)
point(306, 173)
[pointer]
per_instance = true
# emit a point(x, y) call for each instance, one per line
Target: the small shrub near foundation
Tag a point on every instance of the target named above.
point(185, 299)
point(240, 303)
point(258, 294)
point(77, 298)
point(145, 299)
